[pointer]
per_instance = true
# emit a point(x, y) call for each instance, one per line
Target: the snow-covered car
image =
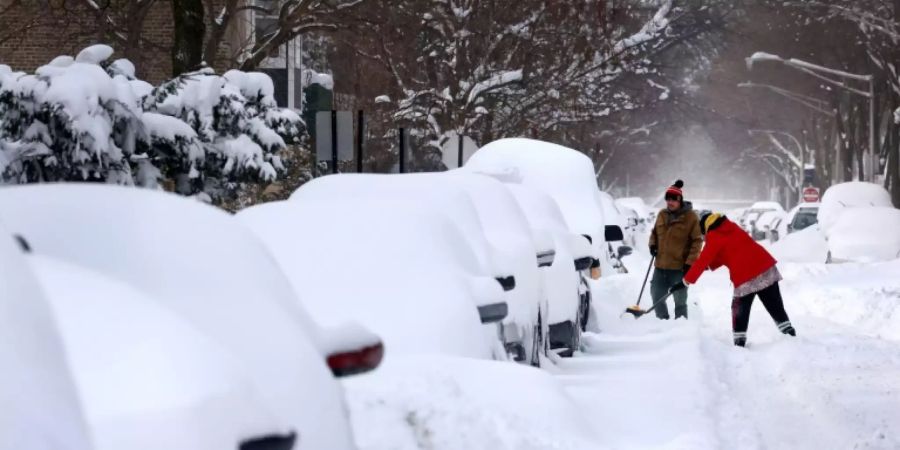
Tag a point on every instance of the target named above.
point(490, 220)
point(202, 265)
point(617, 244)
point(644, 213)
point(798, 218)
point(565, 174)
point(147, 378)
point(566, 279)
point(864, 234)
point(848, 195)
point(40, 403)
point(767, 224)
point(752, 214)
point(409, 279)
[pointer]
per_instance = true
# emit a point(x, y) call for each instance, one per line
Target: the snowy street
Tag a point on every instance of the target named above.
point(653, 384)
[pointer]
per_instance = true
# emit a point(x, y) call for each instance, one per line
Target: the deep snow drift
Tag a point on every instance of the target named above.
point(654, 384)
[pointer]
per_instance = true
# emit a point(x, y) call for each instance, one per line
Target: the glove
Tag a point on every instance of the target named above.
point(653, 251)
point(677, 287)
point(686, 268)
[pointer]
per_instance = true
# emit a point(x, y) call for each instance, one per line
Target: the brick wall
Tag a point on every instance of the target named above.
point(32, 35)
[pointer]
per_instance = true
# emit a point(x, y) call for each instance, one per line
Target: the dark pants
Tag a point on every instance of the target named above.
point(771, 299)
point(663, 279)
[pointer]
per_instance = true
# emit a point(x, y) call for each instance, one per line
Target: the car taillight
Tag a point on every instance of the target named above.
point(356, 362)
point(270, 442)
point(595, 269)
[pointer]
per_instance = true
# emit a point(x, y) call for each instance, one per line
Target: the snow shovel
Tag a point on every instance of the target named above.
point(638, 312)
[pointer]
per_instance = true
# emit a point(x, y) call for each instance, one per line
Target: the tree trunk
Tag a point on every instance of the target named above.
point(190, 29)
point(219, 25)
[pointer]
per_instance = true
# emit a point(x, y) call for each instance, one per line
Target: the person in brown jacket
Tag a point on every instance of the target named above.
point(675, 242)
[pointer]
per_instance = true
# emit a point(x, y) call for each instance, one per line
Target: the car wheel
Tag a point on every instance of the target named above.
point(537, 343)
point(585, 309)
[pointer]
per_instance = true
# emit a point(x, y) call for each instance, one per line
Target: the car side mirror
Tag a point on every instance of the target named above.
point(583, 263)
point(507, 283)
point(625, 251)
point(493, 312)
point(613, 233)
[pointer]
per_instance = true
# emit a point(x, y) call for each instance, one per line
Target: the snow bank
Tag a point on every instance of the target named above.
point(443, 403)
point(845, 195)
point(807, 245)
point(41, 410)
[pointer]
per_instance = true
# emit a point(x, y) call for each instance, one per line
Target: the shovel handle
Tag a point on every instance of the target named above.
point(641, 295)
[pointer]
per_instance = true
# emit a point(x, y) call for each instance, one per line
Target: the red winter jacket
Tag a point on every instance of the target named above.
point(728, 245)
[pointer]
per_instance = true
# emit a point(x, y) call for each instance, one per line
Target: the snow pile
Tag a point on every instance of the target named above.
point(638, 205)
point(865, 234)
point(444, 403)
point(845, 195)
point(85, 118)
point(806, 245)
point(40, 408)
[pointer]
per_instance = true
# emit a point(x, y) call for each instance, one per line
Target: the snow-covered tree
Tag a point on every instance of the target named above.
point(230, 127)
point(69, 121)
point(87, 119)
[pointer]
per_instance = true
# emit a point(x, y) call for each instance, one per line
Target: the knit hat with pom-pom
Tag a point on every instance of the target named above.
point(675, 189)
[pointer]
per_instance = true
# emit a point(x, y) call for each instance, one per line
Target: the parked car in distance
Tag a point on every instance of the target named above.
point(752, 214)
point(200, 263)
point(767, 224)
point(799, 218)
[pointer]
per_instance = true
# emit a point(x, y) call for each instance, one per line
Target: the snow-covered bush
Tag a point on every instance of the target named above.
point(70, 120)
point(87, 119)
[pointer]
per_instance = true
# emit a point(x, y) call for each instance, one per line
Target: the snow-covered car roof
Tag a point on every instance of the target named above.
point(400, 271)
point(775, 206)
point(637, 204)
point(148, 380)
point(565, 174)
point(865, 234)
point(768, 218)
point(207, 268)
point(845, 195)
point(445, 198)
point(40, 404)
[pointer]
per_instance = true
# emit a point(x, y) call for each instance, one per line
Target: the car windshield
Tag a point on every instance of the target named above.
point(803, 219)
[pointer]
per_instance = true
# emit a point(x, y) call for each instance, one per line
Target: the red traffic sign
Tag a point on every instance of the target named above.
point(810, 194)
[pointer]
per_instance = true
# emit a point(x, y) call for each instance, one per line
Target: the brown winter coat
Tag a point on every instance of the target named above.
point(677, 238)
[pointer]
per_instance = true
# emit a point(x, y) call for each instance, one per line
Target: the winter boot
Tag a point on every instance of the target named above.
point(786, 328)
point(740, 338)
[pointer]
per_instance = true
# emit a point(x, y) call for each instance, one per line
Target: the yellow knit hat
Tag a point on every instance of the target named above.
point(708, 220)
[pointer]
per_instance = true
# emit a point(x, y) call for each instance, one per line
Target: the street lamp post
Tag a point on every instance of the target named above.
point(823, 73)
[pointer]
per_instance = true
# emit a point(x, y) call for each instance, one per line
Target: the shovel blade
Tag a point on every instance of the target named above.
point(636, 311)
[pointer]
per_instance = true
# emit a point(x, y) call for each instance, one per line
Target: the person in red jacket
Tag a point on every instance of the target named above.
point(752, 269)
